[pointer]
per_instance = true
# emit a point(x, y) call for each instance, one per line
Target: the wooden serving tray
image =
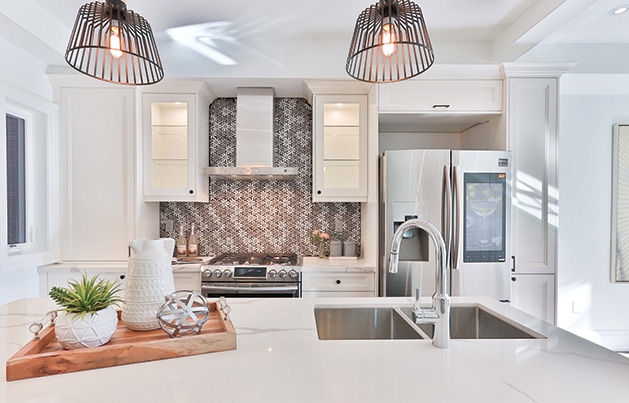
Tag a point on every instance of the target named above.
point(46, 356)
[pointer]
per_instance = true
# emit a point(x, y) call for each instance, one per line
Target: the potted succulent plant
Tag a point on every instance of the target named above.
point(87, 315)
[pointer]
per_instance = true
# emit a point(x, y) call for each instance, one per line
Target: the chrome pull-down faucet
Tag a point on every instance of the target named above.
point(439, 314)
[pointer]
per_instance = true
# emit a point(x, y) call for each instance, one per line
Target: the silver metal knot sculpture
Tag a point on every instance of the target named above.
point(183, 312)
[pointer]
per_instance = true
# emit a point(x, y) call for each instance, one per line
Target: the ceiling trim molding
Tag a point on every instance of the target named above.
point(535, 69)
point(334, 87)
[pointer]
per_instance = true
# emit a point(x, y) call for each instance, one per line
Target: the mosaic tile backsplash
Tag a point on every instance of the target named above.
point(261, 215)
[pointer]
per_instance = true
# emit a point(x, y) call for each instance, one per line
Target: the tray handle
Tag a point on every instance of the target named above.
point(37, 327)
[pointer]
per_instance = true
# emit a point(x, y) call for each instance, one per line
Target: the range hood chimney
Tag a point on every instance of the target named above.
point(254, 139)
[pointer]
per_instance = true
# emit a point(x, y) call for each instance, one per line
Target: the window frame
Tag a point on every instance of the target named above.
point(29, 179)
point(44, 245)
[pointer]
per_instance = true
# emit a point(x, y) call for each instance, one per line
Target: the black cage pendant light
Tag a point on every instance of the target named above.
point(390, 43)
point(114, 44)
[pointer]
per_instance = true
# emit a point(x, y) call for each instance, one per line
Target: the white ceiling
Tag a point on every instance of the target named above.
point(255, 40)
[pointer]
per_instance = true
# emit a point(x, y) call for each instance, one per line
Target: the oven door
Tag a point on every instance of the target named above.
point(251, 290)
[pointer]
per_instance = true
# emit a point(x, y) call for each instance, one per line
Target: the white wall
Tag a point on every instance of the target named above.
point(26, 73)
point(588, 303)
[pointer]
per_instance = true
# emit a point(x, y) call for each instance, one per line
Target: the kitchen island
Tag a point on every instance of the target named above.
point(279, 358)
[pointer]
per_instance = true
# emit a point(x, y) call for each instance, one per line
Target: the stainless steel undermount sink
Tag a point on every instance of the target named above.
point(363, 323)
point(370, 323)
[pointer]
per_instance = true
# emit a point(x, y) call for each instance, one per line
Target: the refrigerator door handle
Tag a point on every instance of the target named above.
point(446, 209)
point(456, 217)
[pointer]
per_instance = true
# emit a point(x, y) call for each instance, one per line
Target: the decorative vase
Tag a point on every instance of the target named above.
point(92, 330)
point(149, 279)
point(321, 250)
point(336, 248)
point(349, 248)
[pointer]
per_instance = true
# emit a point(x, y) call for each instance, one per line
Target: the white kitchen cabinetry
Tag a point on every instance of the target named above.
point(338, 284)
point(100, 211)
point(535, 295)
point(188, 280)
point(441, 96)
point(187, 277)
point(531, 135)
point(58, 275)
point(340, 148)
point(175, 146)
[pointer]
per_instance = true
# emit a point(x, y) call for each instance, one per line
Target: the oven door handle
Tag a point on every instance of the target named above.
point(254, 289)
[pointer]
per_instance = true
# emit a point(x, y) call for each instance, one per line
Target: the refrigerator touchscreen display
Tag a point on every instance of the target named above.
point(484, 212)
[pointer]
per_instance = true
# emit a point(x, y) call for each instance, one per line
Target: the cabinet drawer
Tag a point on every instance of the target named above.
point(441, 96)
point(338, 282)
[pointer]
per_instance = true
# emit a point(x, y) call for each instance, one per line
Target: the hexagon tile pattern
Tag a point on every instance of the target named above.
point(262, 216)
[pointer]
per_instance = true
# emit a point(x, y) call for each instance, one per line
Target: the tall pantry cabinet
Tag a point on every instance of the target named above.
point(102, 207)
point(531, 96)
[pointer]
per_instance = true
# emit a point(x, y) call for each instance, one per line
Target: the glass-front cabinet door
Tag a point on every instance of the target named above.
point(340, 148)
point(170, 147)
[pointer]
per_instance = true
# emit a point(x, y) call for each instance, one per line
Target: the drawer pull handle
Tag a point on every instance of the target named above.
point(338, 281)
point(441, 106)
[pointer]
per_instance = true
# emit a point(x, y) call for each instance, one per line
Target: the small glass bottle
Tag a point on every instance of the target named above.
point(193, 244)
point(181, 243)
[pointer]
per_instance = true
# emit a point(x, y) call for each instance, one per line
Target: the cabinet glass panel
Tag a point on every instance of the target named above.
point(169, 144)
point(341, 152)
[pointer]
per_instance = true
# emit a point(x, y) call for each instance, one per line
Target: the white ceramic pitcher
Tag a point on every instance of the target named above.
point(149, 279)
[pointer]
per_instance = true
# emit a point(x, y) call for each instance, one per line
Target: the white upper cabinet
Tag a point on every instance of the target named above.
point(175, 138)
point(441, 96)
point(340, 148)
point(100, 213)
point(532, 137)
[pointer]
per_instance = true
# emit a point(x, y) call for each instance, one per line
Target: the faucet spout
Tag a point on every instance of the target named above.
point(440, 309)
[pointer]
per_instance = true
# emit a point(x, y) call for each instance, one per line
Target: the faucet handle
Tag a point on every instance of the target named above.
point(423, 316)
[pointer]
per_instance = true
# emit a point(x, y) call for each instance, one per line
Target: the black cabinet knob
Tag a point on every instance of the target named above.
point(318, 192)
point(122, 276)
point(338, 281)
point(191, 191)
point(513, 278)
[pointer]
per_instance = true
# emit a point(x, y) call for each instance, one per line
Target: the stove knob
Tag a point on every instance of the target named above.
point(293, 274)
point(272, 273)
point(227, 273)
point(283, 273)
point(207, 273)
point(217, 273)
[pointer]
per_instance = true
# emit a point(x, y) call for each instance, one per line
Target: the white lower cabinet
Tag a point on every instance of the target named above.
point(59, 277)
point(188, 280)
point(534, 294)
point(338, 284)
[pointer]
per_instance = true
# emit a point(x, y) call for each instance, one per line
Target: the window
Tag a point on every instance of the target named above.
point(29, 187)
point(16, 180)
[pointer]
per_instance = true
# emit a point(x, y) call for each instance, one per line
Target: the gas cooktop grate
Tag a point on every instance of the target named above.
point(257, 259)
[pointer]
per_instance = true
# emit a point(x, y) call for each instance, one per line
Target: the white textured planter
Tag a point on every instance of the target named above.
point(92, 330)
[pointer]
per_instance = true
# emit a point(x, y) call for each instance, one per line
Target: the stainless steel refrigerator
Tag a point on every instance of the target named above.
point(467, 195)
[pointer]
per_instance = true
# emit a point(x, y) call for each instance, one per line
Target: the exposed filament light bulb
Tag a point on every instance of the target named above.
point(387, 38)
point(114, 41)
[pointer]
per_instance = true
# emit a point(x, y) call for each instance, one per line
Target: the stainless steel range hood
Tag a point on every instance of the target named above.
point(254, 139)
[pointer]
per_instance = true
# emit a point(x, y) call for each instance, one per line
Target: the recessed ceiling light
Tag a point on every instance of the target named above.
point(619, 10)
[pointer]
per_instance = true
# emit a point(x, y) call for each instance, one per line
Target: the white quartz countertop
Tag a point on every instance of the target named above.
point(315, 264)
point(280, 359)
point(106, 267)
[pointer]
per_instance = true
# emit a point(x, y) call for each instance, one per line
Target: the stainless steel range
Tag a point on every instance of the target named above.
point(252, 275)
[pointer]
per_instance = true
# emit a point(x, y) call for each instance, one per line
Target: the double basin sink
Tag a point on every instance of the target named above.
point(371, 323)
